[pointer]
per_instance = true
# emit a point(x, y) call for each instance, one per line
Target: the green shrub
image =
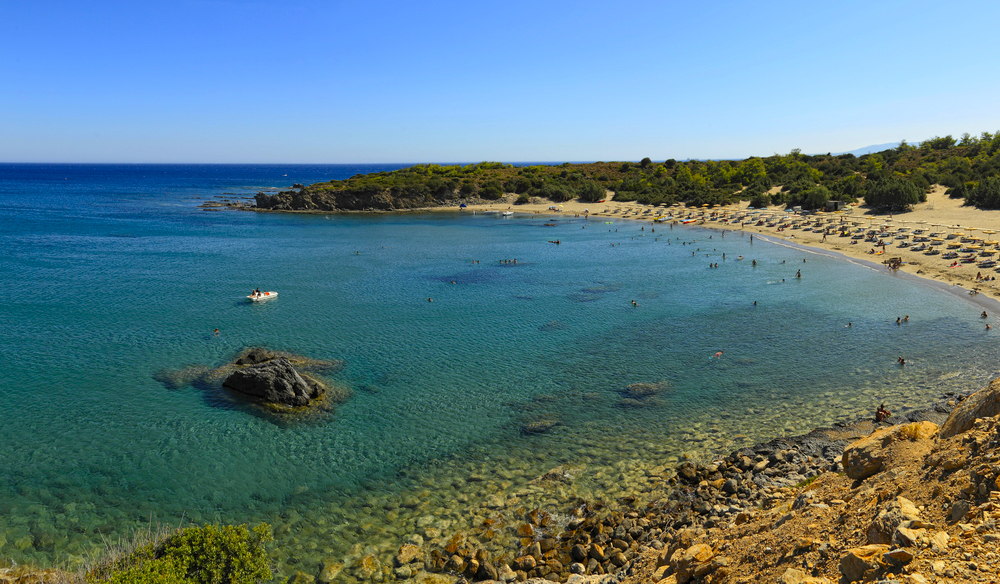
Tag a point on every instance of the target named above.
point(522, 199)
point(230, 554)
point(891, 192)
point(165, 571)
point(760, 200)
point(985, 194)
point(591, 192)
point(491, 193)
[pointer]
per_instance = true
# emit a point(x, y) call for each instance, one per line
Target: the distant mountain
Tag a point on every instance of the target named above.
point(870, 149)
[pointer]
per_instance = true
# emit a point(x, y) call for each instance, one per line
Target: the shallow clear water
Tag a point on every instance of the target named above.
point(114, 275)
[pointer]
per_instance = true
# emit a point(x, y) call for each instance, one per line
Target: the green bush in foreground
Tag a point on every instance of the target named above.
point(231, 554)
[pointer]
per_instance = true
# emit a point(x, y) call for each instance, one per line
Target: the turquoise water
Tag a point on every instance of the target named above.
point(114, 275)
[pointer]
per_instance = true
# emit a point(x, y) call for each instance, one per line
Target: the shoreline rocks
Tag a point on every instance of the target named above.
point(599, 544)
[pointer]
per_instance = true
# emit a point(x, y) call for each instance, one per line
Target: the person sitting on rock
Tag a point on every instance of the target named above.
point(881, 414)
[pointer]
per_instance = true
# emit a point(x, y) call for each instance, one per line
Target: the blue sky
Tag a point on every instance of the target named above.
point(340, 82)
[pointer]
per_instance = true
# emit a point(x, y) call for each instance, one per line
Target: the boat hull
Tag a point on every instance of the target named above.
point(263, 296)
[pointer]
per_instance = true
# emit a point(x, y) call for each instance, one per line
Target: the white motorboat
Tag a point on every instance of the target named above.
point(262, 296)
point(507, 213)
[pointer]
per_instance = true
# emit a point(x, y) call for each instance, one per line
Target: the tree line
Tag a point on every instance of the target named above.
point(895, 178)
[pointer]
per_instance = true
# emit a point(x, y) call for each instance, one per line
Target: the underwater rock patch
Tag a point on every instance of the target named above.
point(641, 394)
point(538, 426)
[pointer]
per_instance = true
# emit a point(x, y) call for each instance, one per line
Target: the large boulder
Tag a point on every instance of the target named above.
point(274, 381)
point(985, 403)
point(894, 514)
point(870, 455)
point(860, 562)
point(692, 563)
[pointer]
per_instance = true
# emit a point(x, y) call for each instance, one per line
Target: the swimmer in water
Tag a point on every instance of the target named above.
point(217, 331)
point(718, 355)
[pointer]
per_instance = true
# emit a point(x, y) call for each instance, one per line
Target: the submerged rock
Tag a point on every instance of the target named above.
point(643, 390)
point(637, 395)
point(538, 426)
point(274, 381)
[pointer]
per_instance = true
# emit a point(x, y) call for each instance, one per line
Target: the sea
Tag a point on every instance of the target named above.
point(473, 379)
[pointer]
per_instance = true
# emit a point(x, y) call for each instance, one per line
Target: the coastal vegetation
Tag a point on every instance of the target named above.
point(895, 178)
point(210, 554)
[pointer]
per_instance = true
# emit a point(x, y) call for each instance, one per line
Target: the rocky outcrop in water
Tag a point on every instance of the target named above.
point(279, 383)
point(274, 381)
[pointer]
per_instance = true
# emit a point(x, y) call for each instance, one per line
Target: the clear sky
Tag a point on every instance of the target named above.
point(340, 82)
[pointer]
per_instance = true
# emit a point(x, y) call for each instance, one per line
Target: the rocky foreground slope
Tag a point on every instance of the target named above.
point(916, 502)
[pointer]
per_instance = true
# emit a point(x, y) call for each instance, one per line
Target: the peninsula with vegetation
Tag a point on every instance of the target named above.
point(895, 178)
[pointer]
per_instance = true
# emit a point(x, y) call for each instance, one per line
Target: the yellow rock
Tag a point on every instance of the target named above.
point(793, 576)
point(329, 572)
point(689, 562)
point(984, 403)
point(859, 561)
point(939, 542)
point(407, 553)
point(428, 578)
point(867, 456)
point(907, 537)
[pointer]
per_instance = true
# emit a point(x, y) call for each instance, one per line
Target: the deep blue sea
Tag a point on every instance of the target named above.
point(113, 275)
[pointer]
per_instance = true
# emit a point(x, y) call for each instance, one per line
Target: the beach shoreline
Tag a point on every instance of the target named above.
point(938, 209)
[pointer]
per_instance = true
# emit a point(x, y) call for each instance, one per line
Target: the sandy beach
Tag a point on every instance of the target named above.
point(939, 215)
